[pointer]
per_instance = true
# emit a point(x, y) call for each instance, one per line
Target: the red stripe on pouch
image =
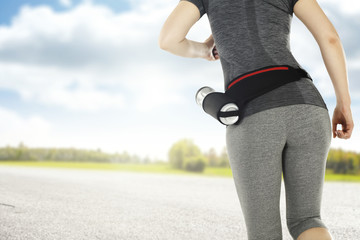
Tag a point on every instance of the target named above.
point(257, 72)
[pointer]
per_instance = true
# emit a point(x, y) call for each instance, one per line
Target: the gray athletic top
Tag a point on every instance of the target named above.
point(251, 34)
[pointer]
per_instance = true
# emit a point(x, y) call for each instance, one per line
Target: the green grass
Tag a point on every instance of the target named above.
point(153, 168)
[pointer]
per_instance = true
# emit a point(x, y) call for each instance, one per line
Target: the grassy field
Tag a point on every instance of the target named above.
point(153, 168)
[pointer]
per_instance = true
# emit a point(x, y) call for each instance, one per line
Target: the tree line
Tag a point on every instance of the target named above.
point(24, 153)
point(345, 162)
point(186, 155)
point(183, 154)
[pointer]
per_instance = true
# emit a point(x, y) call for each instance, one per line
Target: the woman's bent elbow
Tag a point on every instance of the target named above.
point(164, 42)
point(333, 39)
point(330, 41)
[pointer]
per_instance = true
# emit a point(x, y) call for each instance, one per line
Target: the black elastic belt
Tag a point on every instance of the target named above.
point(255, 83)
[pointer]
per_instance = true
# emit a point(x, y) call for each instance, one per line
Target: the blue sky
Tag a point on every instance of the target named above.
point(9, 9)
point(89, 74)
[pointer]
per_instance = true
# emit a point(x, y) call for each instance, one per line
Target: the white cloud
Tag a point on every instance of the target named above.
point(347, 7)
point(43, 52)
point(65, 3)
point(57, 87)
point(15, 128)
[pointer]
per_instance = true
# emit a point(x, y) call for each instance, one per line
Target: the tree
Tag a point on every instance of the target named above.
point(224, 160)
point(22, 152)
point(146, 160)
point(212, 157)
point(195, 164)
point(182, 149)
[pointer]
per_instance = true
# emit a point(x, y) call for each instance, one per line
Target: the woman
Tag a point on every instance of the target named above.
point(284, 131)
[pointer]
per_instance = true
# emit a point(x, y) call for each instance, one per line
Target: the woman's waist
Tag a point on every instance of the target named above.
point(302, 91)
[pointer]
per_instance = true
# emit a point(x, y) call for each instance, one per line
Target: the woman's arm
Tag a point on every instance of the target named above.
point(310, 13)
point(173, 34)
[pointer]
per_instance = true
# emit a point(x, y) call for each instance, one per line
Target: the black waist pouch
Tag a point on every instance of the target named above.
point(255, 83)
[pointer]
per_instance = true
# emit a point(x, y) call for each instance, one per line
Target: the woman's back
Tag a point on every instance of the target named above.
point(250, 34)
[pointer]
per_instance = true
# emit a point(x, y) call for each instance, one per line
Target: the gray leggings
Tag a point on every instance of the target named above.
point(291, 140)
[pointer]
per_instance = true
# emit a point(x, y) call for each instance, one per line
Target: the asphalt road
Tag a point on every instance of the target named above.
point(44, 203)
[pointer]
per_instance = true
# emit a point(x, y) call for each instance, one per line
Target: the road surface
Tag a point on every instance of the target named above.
point(46, 203)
